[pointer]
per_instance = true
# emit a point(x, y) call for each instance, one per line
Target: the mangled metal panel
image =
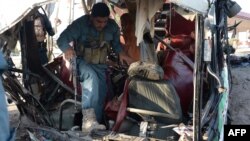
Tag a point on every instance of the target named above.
point(13, 11)
point(200, 6)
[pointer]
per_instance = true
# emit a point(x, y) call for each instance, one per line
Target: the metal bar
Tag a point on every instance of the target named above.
point(58, 80)
point(152, 113)
point(198, 78)
point(61, 109)
point(180, 54)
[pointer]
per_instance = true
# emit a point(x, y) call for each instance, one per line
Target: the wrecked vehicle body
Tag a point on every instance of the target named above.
point(191, 87)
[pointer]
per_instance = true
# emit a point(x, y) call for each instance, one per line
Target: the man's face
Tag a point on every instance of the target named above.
point(99, 22)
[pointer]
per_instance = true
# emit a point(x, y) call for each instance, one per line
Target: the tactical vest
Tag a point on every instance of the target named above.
point(97, 50)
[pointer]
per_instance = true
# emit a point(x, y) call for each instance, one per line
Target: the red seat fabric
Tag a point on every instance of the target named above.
point(181, 75)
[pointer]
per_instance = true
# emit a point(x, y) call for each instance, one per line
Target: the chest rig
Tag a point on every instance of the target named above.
point(96, 50)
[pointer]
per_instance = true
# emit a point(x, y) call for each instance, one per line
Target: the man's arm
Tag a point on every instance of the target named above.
point(70, 34)
point(66, 40)
point(3, 63)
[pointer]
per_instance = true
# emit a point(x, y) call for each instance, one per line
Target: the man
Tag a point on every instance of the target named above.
point(92, 34)
point(41, 26)
point(5, 134)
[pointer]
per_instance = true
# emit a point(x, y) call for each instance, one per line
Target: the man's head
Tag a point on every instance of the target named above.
point(99, 15)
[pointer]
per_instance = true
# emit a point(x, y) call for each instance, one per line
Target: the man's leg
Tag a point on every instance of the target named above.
point(4, 116)
point(101, 74)
point(90, 97)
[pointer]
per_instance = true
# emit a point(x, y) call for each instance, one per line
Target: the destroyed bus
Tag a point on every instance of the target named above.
point(177, 88)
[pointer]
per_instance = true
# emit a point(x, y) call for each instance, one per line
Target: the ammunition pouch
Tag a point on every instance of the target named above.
point(96, 51)
point(95, 55)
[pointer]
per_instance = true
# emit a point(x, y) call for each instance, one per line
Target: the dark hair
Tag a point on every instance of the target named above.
point(100, 10)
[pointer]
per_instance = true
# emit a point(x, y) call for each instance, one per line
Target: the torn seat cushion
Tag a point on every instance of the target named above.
point(146, 70)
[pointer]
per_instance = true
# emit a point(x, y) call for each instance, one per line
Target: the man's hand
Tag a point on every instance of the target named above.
point(69, 53)
point(125, 58)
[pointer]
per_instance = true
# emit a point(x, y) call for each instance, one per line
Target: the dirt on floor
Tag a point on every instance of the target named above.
point(239, 100)
point(19, 123)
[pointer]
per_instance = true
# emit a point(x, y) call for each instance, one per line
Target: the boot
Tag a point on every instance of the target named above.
point(89, 122)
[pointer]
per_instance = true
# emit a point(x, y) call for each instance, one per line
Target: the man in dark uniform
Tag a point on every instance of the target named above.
point(94, 34)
